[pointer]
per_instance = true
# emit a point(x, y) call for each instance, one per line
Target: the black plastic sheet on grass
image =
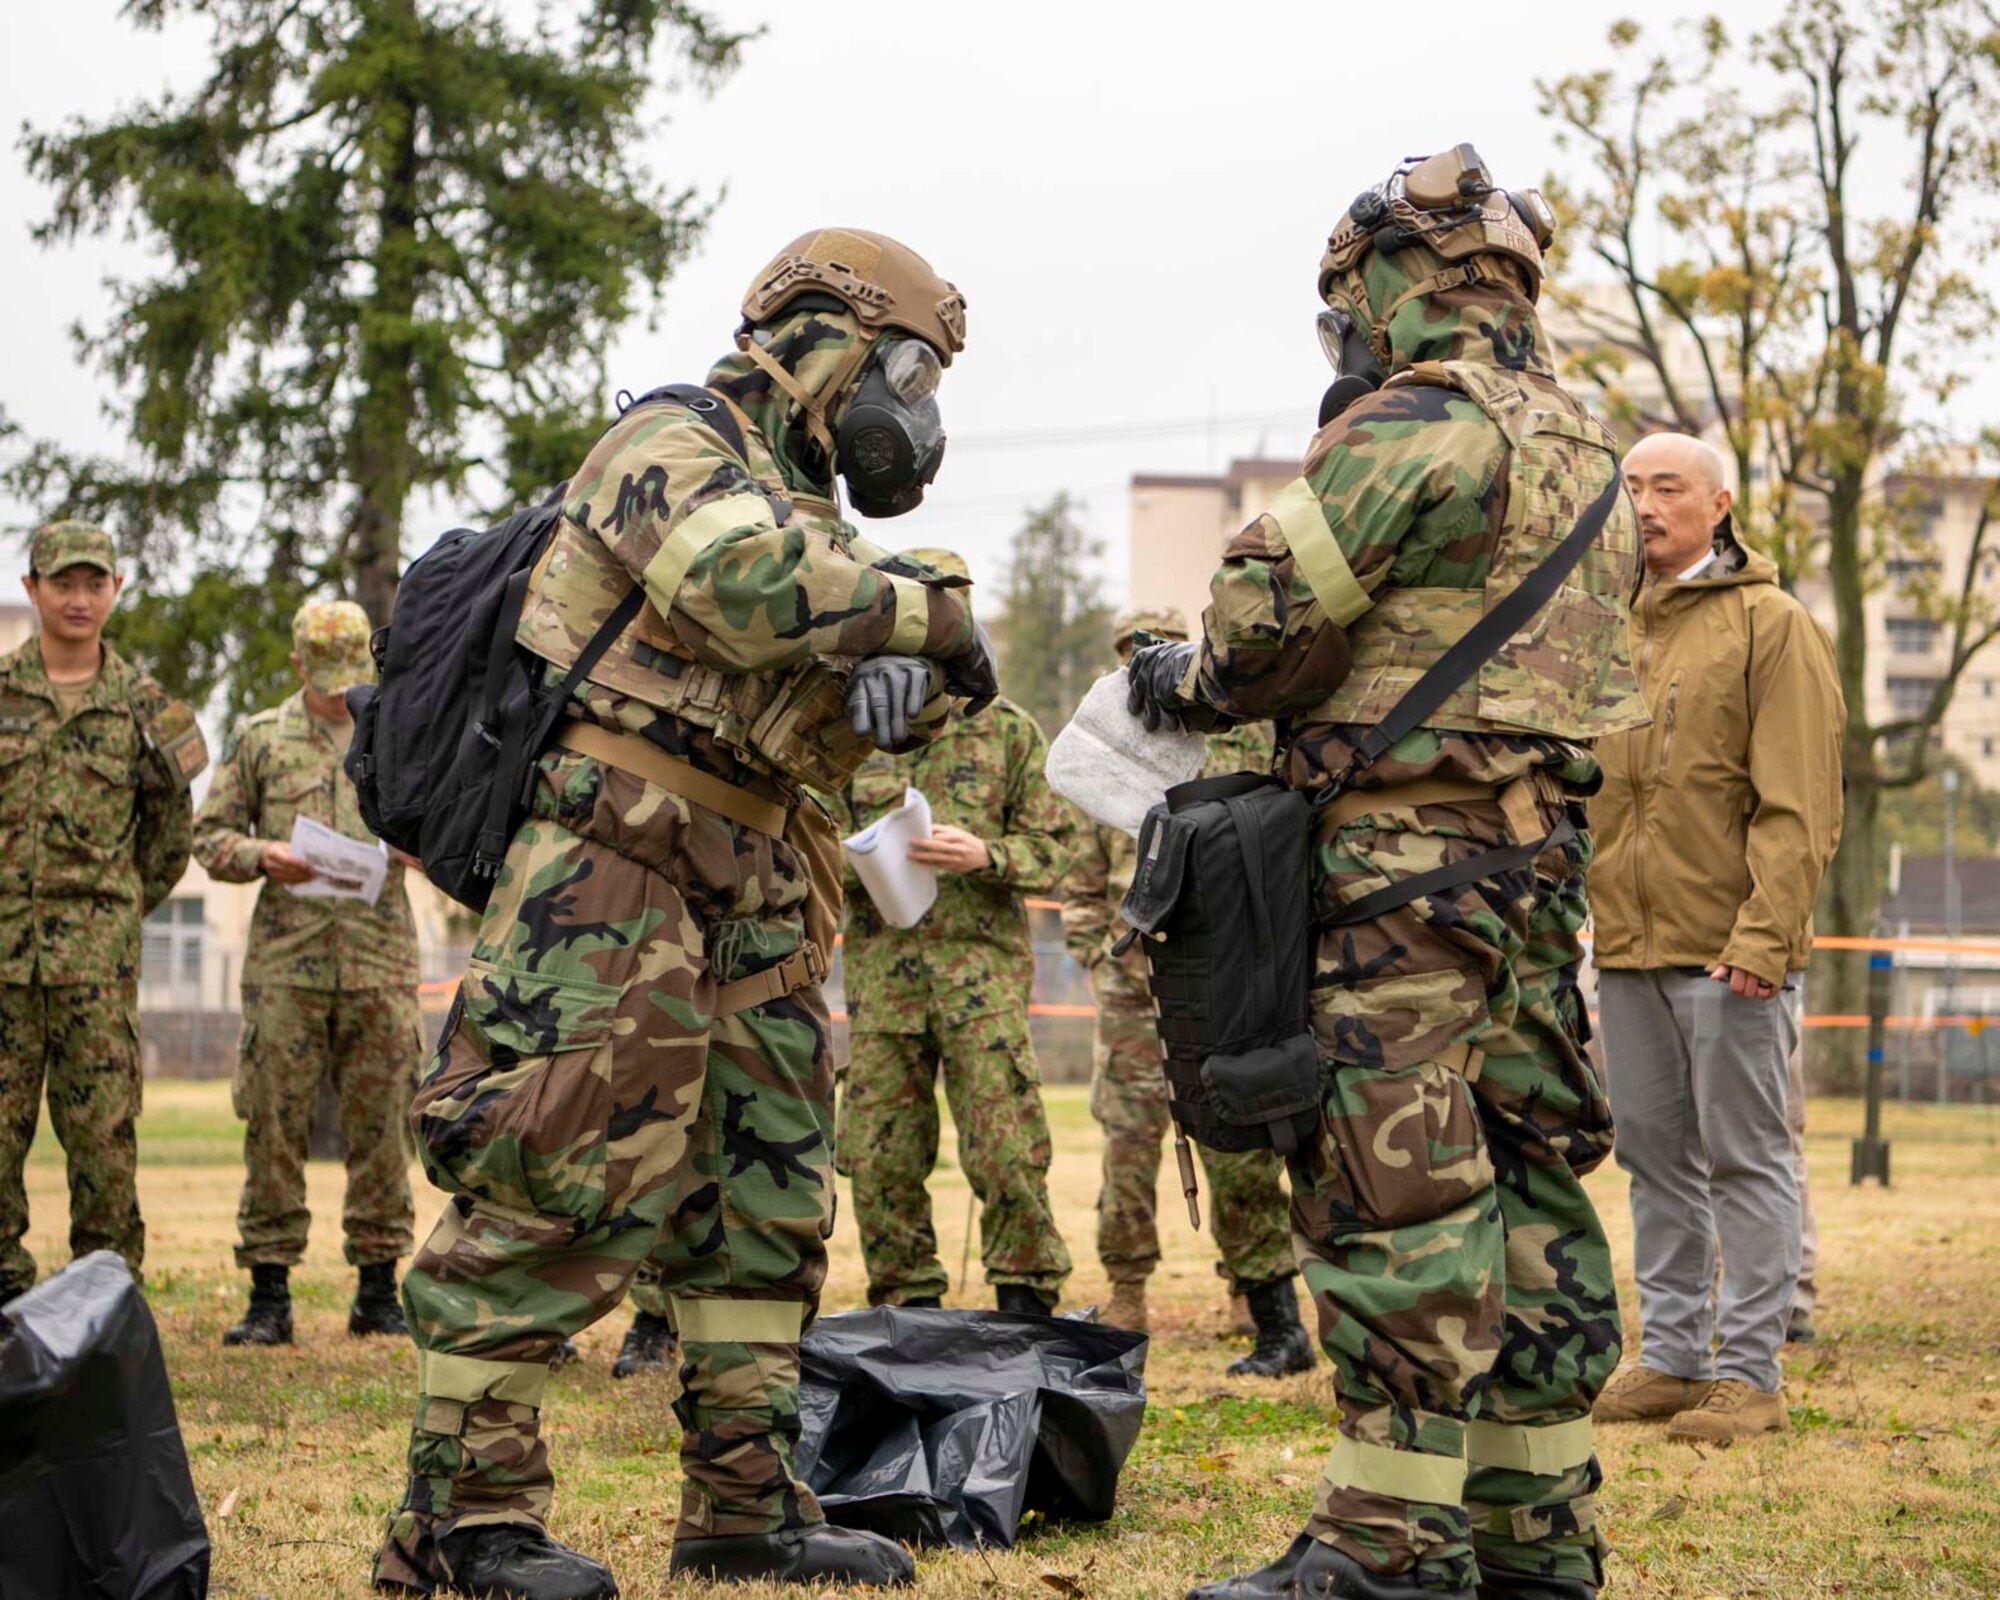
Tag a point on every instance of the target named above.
point(95, 1497)
point(948, 1427)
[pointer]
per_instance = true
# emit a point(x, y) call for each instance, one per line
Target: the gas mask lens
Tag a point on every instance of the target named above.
point(1334, 327)
point(912, 368)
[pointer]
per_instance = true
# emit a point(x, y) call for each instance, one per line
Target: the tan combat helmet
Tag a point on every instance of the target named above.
point(1165, 622)
point(885, 285)
point(1449, 205)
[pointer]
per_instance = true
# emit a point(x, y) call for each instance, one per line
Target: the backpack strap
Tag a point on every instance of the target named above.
point(711, 407)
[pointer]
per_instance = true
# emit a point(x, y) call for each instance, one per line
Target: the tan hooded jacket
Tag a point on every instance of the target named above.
point(1715, 823)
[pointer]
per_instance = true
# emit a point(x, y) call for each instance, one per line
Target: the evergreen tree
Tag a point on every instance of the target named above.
point(1055, 627)
point(395, 237)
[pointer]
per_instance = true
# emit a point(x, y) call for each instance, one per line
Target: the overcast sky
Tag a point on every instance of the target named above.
point(1133, 199)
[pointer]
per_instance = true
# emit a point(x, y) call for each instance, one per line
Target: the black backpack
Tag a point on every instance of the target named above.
point(1221, 895)
point(445, 743)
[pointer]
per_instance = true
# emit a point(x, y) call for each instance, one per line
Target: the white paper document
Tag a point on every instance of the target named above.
point(902, 889)
point(347, 869)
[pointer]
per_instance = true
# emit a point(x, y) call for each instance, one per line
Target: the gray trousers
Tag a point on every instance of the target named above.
point(1698, 1079)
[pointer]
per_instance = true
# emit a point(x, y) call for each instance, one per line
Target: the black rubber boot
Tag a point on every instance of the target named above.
point(376, 1308)
point(1283, 1345)
point(514, 1562)
point(565, 1353)
point(649, 1346)
point(1018, 1297)
point(269, 1319)
point(1497, 1585)
point(1310, 1570)
point(924, 1302)
point(821, 1554)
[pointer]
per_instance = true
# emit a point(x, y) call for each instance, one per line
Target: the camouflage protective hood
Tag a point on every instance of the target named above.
point(1488, 319)
point(822, 351)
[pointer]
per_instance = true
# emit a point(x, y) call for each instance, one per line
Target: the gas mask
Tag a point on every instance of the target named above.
point(891, 438)
point(1356, 371)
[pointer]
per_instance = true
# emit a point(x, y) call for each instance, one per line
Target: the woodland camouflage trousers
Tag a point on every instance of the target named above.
point(1461, 1276)
point(585, 1098)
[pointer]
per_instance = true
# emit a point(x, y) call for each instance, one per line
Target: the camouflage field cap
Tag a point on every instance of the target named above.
point(331, 638)
point(59, 545)
point(1168, 622)
point(948, 561)
point(885, 285)
point(1425, 228)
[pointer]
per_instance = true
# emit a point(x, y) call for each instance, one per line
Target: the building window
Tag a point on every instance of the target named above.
point(1986, 747)
point(1911, 697)
point(174, 942)
point(1906, 567)
point(1913, 636)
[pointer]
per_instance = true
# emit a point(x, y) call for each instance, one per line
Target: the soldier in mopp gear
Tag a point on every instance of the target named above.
point(1461, 1276)
point(948, 998)
point(95, 763)
point(640, 1043)
point(1128, 1089)
point(329, 986)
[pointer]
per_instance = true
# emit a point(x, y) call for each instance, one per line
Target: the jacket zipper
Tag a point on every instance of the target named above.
point(1639, 792)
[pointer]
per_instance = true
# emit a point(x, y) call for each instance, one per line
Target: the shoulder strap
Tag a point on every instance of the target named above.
point(705, 403)
point(1484, 637)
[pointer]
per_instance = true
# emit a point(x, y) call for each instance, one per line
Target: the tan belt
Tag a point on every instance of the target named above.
point(628, 752)
point(1520, 800)
point(803, 966)
point(1421, 792)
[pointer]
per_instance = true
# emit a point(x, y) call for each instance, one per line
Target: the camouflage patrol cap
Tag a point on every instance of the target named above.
point(948, 561)
point(1433, 224)
point(1168, 622)
point(885, 285)
point(58, 546)
point(331, 638)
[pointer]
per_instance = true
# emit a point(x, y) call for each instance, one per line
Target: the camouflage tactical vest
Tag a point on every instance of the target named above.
point(1568, 673)
point(793, 722)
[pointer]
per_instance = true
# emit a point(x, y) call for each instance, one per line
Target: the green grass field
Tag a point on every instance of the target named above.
point(1889, 1485)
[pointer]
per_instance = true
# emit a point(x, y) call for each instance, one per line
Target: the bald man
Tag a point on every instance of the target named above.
point(1713, 828)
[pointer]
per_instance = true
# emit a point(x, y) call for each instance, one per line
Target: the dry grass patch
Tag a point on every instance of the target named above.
point(1889, 1485)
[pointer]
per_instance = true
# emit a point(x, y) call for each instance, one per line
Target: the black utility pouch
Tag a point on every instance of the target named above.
point(1275, 1090)
point(1221, 895)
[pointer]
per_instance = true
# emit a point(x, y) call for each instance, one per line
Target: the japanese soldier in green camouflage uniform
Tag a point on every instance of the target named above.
point(95, 763)
point(1462, 1281)
point(949, 997)
point(637, 1063)
point(1128, 1090)
point(329, 986)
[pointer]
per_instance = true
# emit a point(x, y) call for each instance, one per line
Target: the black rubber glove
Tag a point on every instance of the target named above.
point(975, 676)
point(884, 694)
point(1153, 678)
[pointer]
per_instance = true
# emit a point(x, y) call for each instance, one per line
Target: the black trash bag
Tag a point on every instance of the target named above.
point(948, 1427)
point(95, 1497)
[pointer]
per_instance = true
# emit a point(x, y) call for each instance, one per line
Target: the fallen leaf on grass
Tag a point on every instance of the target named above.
point(1215, 1463)
point(1064, 1584)
point(228, 1505)
point(1670, 1508)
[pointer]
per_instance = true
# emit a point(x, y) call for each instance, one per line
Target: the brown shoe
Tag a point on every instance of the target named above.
point(1128, 1305)
point(1733, 1410)
point(1639, 1394)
